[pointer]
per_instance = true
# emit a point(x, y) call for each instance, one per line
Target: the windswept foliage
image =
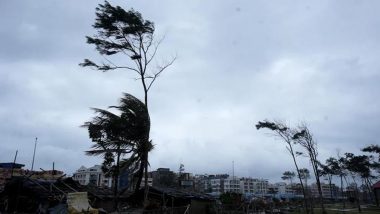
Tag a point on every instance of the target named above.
point(287, 135)
point(115, 135)
point(126, 33)
point(121, 32)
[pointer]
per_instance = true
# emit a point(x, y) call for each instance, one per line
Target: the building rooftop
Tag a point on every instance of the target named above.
point(11, 165)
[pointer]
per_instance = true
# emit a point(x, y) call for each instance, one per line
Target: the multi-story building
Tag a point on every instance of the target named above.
point(200, 182)
point(231, 185)
point(260, 185)
point(163, 177)
point(217, 185)
point(283, 188)
point(186, 180)
point(93, 176)
point(247, 186)
point(327, 192)
point(213, 184)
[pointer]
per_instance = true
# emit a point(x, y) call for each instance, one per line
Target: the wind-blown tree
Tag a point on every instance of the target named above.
point(288, 175)
point(126, 33)
point(115, 135)
point(375, 164)
point(330, 169)
point(359, 165)
point(304, 138)
point(326, 173)
point(304, 175)
point(286, 134)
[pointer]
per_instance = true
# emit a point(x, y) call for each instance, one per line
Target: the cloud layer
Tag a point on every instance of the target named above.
point(238, 62)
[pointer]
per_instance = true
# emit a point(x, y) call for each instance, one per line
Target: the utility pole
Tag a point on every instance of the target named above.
point(34, 153)
point(14, 163)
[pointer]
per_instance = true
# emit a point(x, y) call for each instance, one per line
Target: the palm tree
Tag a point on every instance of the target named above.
point(115, 135)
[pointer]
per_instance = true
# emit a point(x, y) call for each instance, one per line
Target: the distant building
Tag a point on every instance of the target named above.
point(218, 184)
point(327, 192)
point(215, 186)
point(9, 169)
point(283, 188)
point(253, 186)
point(186, 181)
point(163, 177)
point(212, 184)
point(231, 185)
point(93, 176)
point(247, 186)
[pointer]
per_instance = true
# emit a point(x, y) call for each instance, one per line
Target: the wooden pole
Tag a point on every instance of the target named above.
point(34, 153)
point(14, 163)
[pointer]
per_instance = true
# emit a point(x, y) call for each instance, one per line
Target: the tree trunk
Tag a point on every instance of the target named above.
point(146, 186)
point(116, 184)
point(341, 189)
point(316, 173)
point(140, 174)
point(330, 185)
point(357, 195)
point(370, 190)
point(300, 179)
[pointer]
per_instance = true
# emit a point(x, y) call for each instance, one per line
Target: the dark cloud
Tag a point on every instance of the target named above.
point(238, 62)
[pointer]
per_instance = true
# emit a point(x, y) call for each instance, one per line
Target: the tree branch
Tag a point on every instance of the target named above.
point(161, 69)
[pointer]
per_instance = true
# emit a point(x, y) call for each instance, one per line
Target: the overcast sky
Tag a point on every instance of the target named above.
point(238, 62)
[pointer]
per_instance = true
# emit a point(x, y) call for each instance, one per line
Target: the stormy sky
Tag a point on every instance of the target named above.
point(238, 62)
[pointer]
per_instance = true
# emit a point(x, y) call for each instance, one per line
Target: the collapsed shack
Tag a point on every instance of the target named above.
point(24, 194)
point(171, 200)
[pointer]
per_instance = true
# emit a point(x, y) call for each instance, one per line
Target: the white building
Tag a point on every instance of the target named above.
point(231, 185)
point(253, 186)
point(326, 191)
point(92, 175)
point(247, 186)
point(215, 185)
point(283, 188)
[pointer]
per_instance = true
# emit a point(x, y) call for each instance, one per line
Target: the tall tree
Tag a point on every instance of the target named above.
point(126, 33)
point(304, 138)
point(286, 134)
point(115, 135)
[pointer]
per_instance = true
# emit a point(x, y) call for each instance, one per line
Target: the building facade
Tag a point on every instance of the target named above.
point(92, 176)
